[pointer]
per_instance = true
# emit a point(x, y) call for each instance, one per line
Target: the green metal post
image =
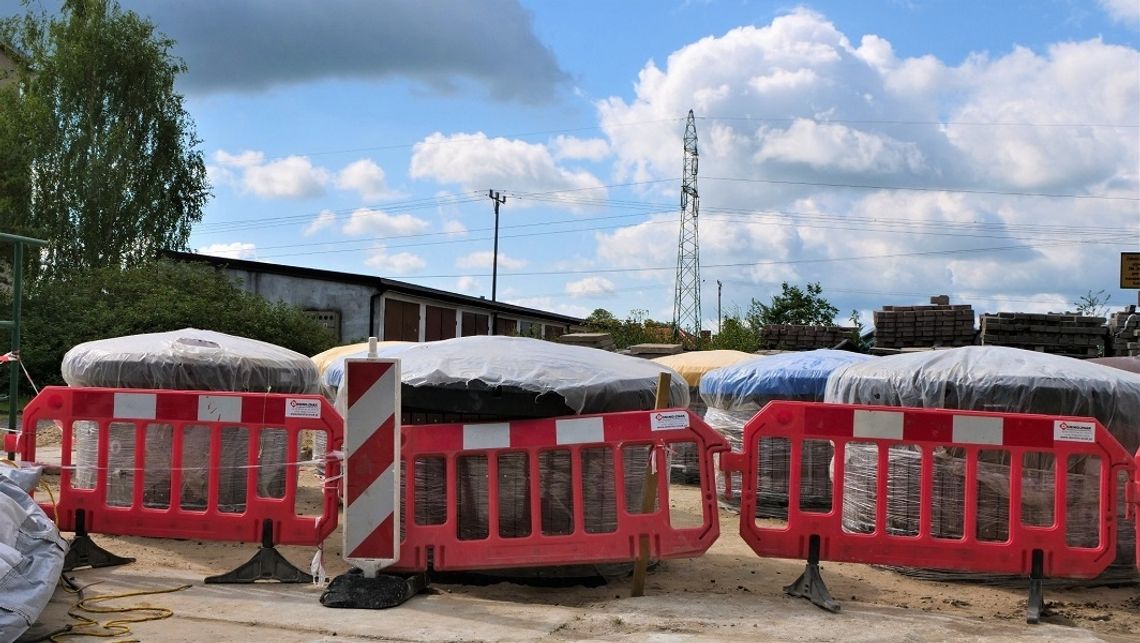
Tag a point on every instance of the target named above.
point(14, 366)
point(18, 243)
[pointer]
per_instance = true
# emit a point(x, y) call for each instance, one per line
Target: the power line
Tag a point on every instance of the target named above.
point(856, 121)
point(859, 186)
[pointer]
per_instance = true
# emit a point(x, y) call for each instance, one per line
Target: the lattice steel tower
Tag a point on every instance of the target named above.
point(687, 302)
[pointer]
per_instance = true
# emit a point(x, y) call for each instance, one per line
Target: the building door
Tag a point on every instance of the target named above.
point(401, 321)
point(440, 323)
point(475, 324)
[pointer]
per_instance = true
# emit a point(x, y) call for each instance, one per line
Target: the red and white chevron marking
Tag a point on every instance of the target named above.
point(372, 464)
point(944, 426)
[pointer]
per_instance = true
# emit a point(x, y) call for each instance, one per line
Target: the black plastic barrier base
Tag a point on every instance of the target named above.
point(810, 584)
point(1035, 608)
point(354, 591)
point(83, 552)
point(266, 564)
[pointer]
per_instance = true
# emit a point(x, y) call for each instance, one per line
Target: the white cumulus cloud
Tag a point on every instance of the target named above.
point(235, 250)
point(586, 149)
point(324, 219)
point(482, 259)
point(365, 177)
point(828, 157)
point(454, 228)
point(590, 287)
point(291, 177)
point(1126, 11)
point(477, 162)
point(401, 263)
point(377, 222)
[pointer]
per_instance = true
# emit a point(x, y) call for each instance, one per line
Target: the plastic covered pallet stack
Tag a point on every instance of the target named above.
point(735, 393)
point(188, 359)
point(987, 378)
point(484, 379)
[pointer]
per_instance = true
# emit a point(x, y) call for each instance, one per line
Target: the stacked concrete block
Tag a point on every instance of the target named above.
point(939, 324)
point(1056, 333)
point(649, 351)
point(796, 337)
point(603, 341)
point(1124, 332)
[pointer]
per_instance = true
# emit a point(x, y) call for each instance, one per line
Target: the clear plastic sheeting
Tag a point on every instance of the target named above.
point(324, 359)
point(589, 380)
point(189, 359)
point(988, 378)
point(749, 385)
point(332, 372)
point(735, 393)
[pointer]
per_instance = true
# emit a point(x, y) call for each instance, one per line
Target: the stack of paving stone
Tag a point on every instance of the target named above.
point(939, 324)
point(649, 351)
point(1124, 332)
point(1056, 333)
point(796, 337)
point(603, 341)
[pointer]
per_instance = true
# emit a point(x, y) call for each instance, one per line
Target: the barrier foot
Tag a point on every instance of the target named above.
point(1036, 604)
point(354, 590)
point(83, 552)
point(266, 564)
point(810, 584)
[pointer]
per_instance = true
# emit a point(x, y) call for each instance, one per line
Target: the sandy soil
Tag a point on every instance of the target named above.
point(729, 570)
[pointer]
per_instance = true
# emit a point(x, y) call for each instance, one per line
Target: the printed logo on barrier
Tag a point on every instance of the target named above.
point(296, 407)
point(666, 420)
point(1070, 431)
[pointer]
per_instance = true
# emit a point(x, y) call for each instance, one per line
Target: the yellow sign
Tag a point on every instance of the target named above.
point(1130, 270)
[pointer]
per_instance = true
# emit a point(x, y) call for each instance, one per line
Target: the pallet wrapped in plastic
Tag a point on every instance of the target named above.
point(188, 359)
point(509, 378)
point(988, 378)
point(692, 365)
point(735, 393)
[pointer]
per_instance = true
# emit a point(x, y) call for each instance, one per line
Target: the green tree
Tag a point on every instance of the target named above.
point(792, 306)
point(160, 296)
point(735, 335)
point(99, 155)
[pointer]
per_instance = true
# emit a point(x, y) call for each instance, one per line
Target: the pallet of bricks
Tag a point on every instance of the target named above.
point(1056, 333)
point(798, 337)
point(939, 324)
point(1124, 333)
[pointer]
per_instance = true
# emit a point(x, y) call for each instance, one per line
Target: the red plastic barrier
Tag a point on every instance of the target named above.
point(248, 469)
point(1028, 550)
point(563, 498)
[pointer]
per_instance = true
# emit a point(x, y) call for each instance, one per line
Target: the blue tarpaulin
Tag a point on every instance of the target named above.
point(748, 385)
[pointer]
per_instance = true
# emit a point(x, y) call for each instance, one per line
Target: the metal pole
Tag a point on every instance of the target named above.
point(718, 318)
point(497, 200)
point(14, 366)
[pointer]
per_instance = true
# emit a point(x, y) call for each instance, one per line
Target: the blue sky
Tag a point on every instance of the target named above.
point(888, 149)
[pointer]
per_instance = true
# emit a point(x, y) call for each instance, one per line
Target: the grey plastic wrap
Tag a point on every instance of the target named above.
point(191, 360)
point(589, 380)
point(988, 378)
point(31, 555)
point(187, 359)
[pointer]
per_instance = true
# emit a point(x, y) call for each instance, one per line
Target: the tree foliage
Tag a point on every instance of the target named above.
point(792, 306)
point(637, 328)
point(98, 154)
point(735, 335)
point(157, 297)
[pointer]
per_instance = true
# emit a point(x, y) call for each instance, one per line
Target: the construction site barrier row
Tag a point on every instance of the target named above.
point(187, 464)
point(557, 491)
point(825, 533)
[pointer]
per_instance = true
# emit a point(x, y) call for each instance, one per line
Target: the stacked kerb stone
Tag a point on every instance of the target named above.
point(939, 324)
point(1124, 332)
point(797, 337)
point(1056, 333)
